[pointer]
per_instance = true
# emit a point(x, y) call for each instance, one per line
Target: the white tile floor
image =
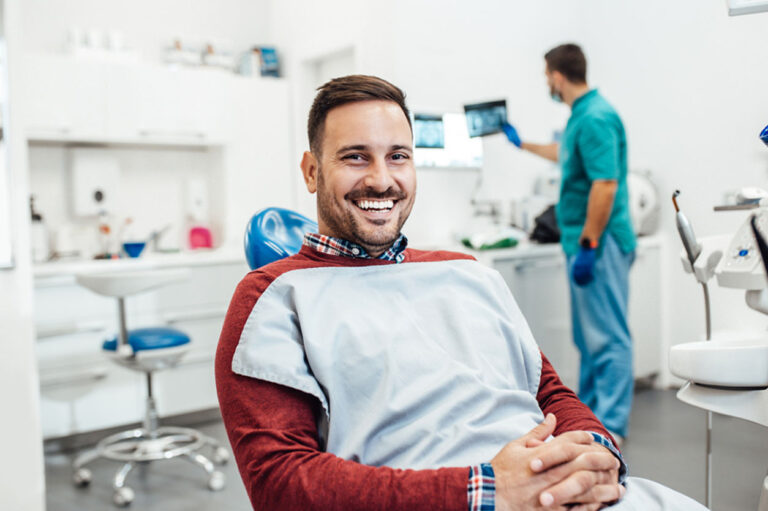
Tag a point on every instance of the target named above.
point(665, 443)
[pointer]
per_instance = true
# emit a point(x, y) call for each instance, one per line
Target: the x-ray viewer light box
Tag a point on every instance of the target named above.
point(485, 118)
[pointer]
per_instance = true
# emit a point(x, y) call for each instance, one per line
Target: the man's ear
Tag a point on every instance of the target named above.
point(309, 167)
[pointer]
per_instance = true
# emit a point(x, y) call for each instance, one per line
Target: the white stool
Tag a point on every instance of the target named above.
point(145, 350)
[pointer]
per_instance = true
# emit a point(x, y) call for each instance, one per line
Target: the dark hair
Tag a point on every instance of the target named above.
point(348, 89)
point(569, 60)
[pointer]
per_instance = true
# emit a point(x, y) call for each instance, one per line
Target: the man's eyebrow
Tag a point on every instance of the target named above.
point(359, 147)
point(363, 147)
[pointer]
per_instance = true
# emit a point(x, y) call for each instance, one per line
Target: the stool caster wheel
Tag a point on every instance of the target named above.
point(216, 481)
point(82, 477)
point(220, 456)
point(123, 496)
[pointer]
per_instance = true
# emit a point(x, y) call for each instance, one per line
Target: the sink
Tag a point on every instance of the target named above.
point(735, 362)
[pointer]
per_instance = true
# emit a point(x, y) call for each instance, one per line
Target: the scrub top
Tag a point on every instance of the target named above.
point(593, 147)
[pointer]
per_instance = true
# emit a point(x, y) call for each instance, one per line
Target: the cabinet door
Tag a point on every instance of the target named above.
point(64, 98)
point(81, 390)
point(174, 104)
point(540, 288)
point(645, 311)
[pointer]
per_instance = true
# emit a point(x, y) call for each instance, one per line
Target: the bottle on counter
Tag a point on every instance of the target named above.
point(41, 248)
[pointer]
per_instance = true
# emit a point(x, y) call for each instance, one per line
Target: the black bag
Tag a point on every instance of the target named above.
point(545, 229)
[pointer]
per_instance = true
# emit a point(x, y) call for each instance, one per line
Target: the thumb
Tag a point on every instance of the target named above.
point(543, 430)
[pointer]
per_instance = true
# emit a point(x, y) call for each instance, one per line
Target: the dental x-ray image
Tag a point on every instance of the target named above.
point(428, 131)
point(485, 118)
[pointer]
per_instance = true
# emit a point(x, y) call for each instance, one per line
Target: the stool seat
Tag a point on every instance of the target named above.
point(141, 339)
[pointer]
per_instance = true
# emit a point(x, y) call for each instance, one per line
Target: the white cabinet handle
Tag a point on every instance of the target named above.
point(70, 379)
point(545, 264)
point(172, 133)
point(61, 129)
point(69, 329)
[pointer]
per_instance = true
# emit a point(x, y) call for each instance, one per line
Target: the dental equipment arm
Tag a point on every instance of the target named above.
point(684, 228)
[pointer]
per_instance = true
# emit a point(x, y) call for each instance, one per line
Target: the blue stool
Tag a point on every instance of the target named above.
point(275, 233)
point(146, 350)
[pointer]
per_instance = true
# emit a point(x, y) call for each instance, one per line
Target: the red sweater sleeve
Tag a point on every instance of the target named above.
point(274, 436)
point(572, 414)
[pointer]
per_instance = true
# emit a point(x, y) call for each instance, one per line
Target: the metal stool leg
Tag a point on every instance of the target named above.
point(123, 495)
point(216, 479)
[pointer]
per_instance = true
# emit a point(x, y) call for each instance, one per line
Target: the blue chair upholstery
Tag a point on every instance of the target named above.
point(275, 233)
point(142, 339)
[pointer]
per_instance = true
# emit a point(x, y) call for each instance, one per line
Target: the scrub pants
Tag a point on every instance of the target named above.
point(601, 333)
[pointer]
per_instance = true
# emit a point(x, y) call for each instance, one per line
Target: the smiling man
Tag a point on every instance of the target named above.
point(365, 182)
point(362, 375)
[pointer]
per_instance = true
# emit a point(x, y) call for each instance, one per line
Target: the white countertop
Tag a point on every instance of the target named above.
point(528, 250)
point(150, 260)
point(234, 255)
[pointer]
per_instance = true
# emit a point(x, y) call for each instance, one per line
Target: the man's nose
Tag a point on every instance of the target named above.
point(379, 177)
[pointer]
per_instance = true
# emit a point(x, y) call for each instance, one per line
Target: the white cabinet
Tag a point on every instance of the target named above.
point(152, 103)
point(64, 98)
point(539, 284)
point(81, 100)
point(81, 390)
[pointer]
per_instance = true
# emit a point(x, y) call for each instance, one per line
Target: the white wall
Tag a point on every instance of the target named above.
point(688, 80)
point(22, 484)
point(147, 26)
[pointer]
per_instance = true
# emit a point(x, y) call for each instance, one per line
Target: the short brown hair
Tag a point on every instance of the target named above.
point(349, 89)
point(569, 60)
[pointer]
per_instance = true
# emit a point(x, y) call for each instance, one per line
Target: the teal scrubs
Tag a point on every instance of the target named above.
point(593, 147)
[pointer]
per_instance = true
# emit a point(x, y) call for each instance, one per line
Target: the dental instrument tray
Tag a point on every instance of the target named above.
point(486, 118)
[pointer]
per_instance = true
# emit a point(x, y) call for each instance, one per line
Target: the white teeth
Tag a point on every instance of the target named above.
point(370, 204)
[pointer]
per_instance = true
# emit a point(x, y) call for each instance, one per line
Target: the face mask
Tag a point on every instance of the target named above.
point(556, 97)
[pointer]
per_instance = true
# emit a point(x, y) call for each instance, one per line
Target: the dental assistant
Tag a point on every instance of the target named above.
point(596, 234)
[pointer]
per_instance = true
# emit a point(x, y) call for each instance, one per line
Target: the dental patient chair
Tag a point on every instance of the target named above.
point(145, 350)
point(275, 233)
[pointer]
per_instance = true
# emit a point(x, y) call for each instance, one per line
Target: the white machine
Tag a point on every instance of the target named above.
point(728, 374)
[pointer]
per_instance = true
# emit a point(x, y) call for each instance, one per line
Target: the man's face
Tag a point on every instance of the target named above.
point(365, 179)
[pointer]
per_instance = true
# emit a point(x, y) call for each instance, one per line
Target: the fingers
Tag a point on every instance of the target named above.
point(562, 449)
point(542, 431)
point(586, 507)
point(601, 494)
point(583, 487)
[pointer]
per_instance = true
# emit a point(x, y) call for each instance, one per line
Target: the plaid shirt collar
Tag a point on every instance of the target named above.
point(336, 246)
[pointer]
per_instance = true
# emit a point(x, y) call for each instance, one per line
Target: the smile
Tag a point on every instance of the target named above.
point(375, 205)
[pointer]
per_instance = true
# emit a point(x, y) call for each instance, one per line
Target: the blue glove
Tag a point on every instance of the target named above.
point(763, 135)
point(584, 266)
point(511, 134)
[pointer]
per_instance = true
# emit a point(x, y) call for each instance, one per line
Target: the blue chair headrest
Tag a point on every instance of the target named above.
point(275, 233)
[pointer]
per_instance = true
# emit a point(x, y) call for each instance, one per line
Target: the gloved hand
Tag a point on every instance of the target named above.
point(584, 266)
point(511, 134)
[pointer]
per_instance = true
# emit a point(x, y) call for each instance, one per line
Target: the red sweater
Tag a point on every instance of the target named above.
point(274, 436)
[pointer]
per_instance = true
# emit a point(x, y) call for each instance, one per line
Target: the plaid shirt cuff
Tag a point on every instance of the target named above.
point(623, 470)
point(481, 488)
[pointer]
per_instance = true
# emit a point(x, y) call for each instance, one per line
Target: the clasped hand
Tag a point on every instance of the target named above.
point(570, 472)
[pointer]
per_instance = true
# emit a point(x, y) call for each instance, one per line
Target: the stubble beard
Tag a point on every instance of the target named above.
point(342, 222)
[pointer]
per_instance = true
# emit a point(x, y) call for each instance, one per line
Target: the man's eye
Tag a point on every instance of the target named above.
point(400, 156)
point(353, 157)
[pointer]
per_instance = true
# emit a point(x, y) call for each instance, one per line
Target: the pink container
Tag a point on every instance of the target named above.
point(200, 237)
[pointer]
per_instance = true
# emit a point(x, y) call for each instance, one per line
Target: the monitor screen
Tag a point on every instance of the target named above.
point(428, 131)
point(485, 118)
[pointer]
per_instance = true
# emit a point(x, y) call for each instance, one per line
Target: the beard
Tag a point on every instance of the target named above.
point(375, 236)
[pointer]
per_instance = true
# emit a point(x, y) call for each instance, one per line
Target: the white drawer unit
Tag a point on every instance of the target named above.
point(82, 390)
point(538, 281)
